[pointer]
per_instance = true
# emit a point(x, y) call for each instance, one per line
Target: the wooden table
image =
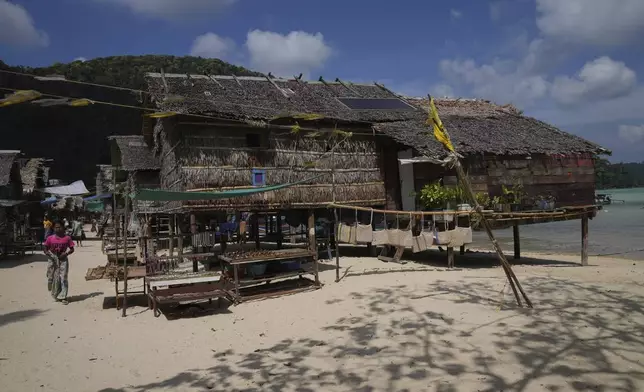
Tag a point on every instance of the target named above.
point(284, 255)
point(132, 273)
point(185, 287)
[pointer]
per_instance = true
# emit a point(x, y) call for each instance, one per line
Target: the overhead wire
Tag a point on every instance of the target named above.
point(147, 92)
point(153, 110)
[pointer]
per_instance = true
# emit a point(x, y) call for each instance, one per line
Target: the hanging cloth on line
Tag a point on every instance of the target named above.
point(424, 240)
point(346, 233)
point(364, 233)
point(380, 237)
point(398, 237)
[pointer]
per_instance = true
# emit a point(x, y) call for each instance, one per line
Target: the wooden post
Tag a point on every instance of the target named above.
point(171, 235)
point(584, 240)
point(337, 246)
point(193, 230)
point(177, 225)
point(450, 257)
point(125, 237)
point(313, 245)
point(193, 224)
point(517, 241)
point(256, 228)
point(279, 229)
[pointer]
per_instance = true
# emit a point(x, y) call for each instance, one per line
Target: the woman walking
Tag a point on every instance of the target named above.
point(58, 247)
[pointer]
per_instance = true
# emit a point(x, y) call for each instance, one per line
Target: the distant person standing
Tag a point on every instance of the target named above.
point(77, 231)
point(58, 247)
point(48, 226)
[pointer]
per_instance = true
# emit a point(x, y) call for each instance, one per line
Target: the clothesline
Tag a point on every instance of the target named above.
point(536, 214)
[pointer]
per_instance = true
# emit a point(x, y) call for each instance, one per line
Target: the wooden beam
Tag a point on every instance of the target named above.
point(517, 241)
point(584, 240)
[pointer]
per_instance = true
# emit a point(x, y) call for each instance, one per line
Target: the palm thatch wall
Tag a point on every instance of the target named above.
point(211, 158)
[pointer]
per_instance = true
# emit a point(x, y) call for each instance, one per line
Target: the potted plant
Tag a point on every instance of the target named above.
point(435, 197)
point(512, 197)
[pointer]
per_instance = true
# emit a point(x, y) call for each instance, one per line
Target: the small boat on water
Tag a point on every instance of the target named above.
point(603, 199)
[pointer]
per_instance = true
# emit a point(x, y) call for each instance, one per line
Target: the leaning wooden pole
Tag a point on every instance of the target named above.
point(442, 136)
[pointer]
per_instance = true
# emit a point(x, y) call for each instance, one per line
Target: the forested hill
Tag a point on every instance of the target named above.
point(619, 175)
point(129, 71)
point(75, 138)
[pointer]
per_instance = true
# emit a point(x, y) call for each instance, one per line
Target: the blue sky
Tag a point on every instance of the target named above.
point(573, 63)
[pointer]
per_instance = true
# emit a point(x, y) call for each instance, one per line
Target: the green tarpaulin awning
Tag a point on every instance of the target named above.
point(163, 195)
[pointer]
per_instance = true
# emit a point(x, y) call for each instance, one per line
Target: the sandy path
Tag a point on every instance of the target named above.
point(383, 328)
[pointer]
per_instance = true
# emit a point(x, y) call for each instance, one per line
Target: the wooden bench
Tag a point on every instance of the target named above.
point(192, 287)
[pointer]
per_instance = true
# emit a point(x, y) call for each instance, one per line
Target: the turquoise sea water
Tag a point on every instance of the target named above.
point(618, 231)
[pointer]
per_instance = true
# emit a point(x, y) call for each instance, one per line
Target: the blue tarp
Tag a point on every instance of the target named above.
point(49, 200)
point(98, 197)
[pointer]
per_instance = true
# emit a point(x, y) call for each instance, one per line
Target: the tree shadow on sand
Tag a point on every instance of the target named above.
point(580, 337)
point(21, 315)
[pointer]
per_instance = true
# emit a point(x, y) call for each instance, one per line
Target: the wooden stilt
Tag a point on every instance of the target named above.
point(450, 257)
point(193, 230)
point(337, 246)
point(171, 235)
point(256, 228)
point(313, 245)
point(279, 229)
point(517, 241)
point(584, 240)
point(125, 222)
point(177, 225)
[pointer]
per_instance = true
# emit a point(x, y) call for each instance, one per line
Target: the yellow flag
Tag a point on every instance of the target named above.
point(20, 96)
point(161, 114)
point(439, 131)
point(80, 102)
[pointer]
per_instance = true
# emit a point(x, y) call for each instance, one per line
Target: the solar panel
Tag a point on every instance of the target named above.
point(375, 104)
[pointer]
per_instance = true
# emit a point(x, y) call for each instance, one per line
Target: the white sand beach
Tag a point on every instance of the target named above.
point(383, 327)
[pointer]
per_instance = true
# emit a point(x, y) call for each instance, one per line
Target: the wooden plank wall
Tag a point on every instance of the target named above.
point(570, 179)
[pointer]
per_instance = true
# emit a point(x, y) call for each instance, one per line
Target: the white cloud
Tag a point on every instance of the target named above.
point(17, 27)
point(286, 55)
point(631, 133)
point(212, 45)
point(83, 59)
point(173, 9)
point(594, 22)
point(500, 81)
point(597, 80)
point(455, 14)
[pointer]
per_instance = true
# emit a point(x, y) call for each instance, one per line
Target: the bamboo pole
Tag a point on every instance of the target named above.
point(125, 236)
point(443, 137)
point(584, 240)
point(507, 268)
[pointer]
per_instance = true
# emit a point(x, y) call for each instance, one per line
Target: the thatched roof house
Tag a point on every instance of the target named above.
point(266, 131)
point(285, 129)
point(34, 174)
point(104, 181)
point(133, 163)
point(131, 153)
point(482, 127)
point(10, 181)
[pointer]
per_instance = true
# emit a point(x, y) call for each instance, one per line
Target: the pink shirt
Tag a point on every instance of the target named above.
point(58, 245)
